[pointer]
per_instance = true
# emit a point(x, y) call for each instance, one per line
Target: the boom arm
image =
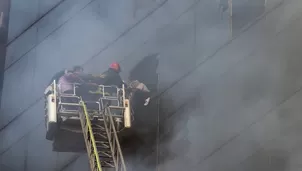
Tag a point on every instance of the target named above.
point(101, 141)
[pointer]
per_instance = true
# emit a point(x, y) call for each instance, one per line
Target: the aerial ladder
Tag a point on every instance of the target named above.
point(101, 140)
point(100, 127)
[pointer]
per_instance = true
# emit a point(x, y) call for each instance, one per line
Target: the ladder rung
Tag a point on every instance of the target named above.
point(104, 153)
point(103, 136)
point(99, 132)
point(96, 126)
point(102, 142)
point(107, 164)
point(116, 107)
point(98, 129)
point(106, 159)
point(102, 147)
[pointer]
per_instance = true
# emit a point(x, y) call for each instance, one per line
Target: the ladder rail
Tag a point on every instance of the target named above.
point(86, 126)
point(114, 142)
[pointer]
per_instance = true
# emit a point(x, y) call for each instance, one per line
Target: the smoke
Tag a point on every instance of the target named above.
point(170, 133)
point(141, 139)
point(179, 116)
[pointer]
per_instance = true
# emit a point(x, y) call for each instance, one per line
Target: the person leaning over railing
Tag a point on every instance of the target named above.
point(59, 74)
point(69, 78)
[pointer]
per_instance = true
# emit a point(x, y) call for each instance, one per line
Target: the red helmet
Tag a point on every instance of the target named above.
point(115, 66)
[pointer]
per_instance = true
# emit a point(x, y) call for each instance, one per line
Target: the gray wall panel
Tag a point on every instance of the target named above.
point(80, 163)
point(256, 105)
point(40, 155)
point(48, 24)
point(45, 6)
point(232, 97)
point(276, 132)
point(65, 12)
point(229, 56)
point(6, 168)
point(15, 157)
point(28, 122)
point(19, 47)
point(125, 46)
point(18, 83)
point(18, 22)
point(32, 9)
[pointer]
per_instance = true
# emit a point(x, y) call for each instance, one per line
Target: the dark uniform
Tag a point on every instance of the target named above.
point(110, 77)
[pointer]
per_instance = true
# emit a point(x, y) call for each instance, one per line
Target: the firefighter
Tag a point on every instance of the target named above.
point(111, 76)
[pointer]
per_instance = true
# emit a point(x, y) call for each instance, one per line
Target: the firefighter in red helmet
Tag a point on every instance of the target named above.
point(112, 76)
point(116, 67)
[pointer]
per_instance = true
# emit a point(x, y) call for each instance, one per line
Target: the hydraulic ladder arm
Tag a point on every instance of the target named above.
point(101, 140)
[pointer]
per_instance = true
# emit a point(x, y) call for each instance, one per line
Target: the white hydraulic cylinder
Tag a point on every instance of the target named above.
point(51, 109)
point(127, 114)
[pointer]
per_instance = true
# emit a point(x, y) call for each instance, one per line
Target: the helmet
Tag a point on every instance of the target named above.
point(115, 66)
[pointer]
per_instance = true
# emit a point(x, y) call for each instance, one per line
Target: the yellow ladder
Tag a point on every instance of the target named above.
point(101, 140)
